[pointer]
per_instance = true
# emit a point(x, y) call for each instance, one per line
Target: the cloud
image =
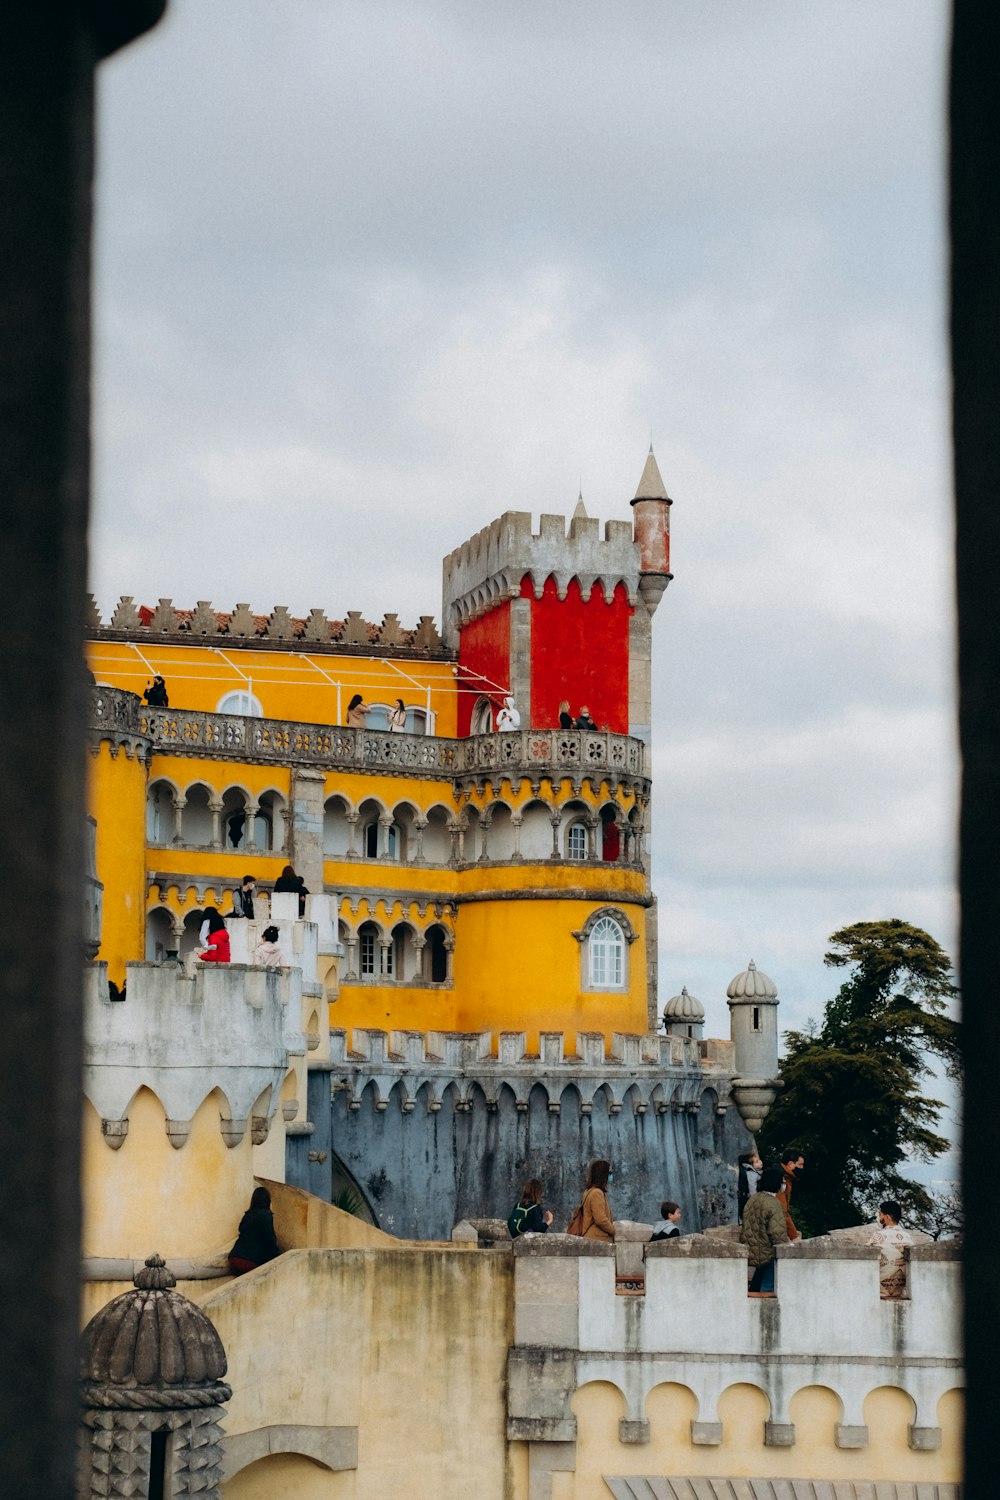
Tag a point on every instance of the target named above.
point(367, 276)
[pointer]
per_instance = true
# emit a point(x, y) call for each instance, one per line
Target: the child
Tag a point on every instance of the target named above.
point(267, 954)
point(668, 1227)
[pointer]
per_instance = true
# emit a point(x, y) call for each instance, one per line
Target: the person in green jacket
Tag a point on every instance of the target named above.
point(764, 1229)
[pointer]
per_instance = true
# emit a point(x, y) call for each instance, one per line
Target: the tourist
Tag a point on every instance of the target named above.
point(528, 1216)
point(893, 1241)
point(357, 712)
point(565, 717)
point(243, 898)
point(256, 1242)
point(508, 717)
point(267, 954)
point(206, 924)
point(792, 1165)
point(597, 1221)
point(216, 950)
point(289, 881)
point(751, 1167)
point(668, 1227)
point(764, 1229)
point(585, 721)
point(397, 717)
point(156, 693)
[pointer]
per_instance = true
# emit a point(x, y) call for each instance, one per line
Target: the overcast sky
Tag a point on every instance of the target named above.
point(369, 274)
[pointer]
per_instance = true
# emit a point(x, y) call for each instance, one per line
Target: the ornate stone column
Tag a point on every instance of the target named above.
point(353, 818)
point(516, 820)
point(556, 821)
point(384, 824)
point(179, 805)
point(251, 809)
point(215, 808)
point(419, 824)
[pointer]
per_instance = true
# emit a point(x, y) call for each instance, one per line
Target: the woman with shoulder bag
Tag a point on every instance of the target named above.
point(595, 1221)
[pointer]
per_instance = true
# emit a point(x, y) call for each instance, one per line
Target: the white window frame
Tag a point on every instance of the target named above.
point(578, 825)
point(606, 956)
point(241, 702)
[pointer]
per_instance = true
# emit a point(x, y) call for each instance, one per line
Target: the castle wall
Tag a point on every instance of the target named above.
point(579, 652)
point(484, 660)
point(436, 1129)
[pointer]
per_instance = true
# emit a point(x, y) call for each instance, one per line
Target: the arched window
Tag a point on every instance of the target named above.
point(240, 702)
point(482, 717)
point(368, 950)
point(607, 955)
point(373, 841)
point(576, 841)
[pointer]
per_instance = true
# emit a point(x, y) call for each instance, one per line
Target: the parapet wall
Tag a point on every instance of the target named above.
point(439, 1126)
point(231, 1027)
point(696, 1326)
point(491, 565)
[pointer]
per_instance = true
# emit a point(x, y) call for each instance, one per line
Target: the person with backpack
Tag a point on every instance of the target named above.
point(528, 1216)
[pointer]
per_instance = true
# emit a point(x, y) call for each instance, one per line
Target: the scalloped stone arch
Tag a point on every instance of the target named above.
point(616, 914)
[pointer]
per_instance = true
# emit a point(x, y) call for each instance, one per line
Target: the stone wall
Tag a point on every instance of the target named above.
point(435, 1129)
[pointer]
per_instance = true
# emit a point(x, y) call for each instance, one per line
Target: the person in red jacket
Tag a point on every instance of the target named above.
point(217, 951)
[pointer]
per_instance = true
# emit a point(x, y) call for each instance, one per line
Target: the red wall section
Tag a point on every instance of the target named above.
point(483, 661)
point(579, 651)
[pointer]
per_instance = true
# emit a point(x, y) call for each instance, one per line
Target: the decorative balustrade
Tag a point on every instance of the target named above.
point(535, 752)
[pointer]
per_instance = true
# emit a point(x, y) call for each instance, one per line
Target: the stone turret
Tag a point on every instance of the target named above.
point(651, 505)
point(753, 1007)
point(683, 1015)
point(152, 1395)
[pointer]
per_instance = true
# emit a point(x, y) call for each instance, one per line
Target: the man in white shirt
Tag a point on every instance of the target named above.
point(892, 1241)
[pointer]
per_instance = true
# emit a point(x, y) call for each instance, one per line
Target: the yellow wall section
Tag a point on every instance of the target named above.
point(117, 795)
point(289, 684)
point(518, 966)
point(149, 1196)
point(743, 1410)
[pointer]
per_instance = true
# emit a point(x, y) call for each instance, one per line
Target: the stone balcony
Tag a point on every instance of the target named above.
point(123, 718)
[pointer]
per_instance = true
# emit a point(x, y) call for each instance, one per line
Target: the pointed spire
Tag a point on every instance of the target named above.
point(651, 486)
point(581, 510)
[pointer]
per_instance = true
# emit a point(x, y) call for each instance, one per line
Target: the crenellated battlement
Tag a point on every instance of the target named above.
point(693, 1325)
point(491, 565)
point(658, 1074)
point(231, 1027)
point(278, 630)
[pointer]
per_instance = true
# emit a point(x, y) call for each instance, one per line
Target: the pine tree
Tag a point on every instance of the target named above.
point(852, 1097)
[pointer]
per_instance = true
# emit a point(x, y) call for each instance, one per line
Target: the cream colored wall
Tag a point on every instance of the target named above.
point(407, 1345)
point(743, 1410)
point(148, 1196)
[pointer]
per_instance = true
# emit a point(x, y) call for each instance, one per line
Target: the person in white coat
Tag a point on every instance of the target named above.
point(508, 717)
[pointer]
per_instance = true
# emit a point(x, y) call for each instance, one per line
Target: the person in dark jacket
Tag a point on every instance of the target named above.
point(156, 694)
point(289, 881)
point(243, 898)
point(528, 1216)
point(256, 1242)
point(764, 1229)
point(669, 1226)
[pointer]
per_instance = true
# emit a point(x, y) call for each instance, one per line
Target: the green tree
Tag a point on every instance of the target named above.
point(853, 1097)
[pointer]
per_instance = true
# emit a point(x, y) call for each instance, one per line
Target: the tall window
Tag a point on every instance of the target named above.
point(607, 955)
point(576, 841)
point(373, 841)
point(367, 945)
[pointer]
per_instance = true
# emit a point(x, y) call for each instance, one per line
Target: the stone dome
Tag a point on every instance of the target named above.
point(151, 1346)
point(684, 1007)
point(752, 984)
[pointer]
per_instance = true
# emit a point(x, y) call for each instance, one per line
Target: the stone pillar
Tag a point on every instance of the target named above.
point(179, 805)
point(419, 824)
point(352, 956)
point(516, 819)
point(384, 824)
point(556, 821)
point(520, 658)
point(385, 950)
point(484, 829)
point(215, 808)
point(419, 944)
point(593, 825)
point(353, 818)
point(449, 958)
point(306, 834)
point(251, 810)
